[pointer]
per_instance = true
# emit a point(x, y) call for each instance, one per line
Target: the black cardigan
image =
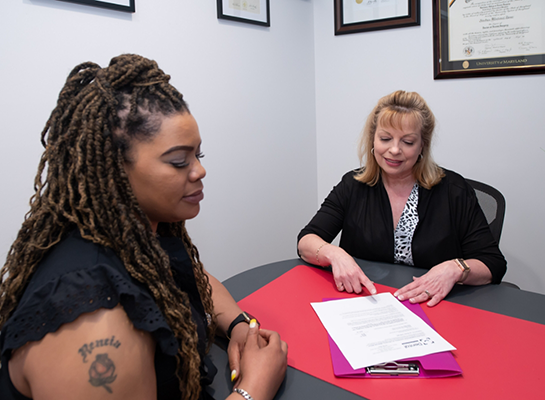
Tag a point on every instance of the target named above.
point(451, 224)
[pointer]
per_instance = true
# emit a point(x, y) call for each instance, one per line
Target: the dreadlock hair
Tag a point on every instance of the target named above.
point(81, 183)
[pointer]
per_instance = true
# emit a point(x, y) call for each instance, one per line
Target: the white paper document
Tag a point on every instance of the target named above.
point(374, 329)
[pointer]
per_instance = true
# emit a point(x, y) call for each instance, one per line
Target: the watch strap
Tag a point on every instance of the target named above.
point(242, 317)
point(465, 269)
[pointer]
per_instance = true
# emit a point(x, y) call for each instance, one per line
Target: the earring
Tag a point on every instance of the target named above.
point(421, 156)
point(373, 151)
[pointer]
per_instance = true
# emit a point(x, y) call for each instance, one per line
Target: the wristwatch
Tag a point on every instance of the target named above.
point(244, 317)
point(465, 269)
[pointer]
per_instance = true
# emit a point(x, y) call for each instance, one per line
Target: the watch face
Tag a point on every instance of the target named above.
point(248, 317)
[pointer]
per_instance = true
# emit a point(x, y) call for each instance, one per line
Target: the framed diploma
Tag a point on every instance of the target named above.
point(475, 38)
point(117, 5)
point(353, 16)
point(250, 11)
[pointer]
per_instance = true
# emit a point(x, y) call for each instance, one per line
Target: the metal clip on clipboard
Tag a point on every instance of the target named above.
point(393, 369)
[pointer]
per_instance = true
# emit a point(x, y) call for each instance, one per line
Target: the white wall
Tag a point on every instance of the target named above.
point(490, 129)
point(279, 110)
point(250, 88)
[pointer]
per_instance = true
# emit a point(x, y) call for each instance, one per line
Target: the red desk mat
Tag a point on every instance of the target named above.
point(501, 357)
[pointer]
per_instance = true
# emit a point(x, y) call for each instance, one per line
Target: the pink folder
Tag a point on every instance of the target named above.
point(437, 365)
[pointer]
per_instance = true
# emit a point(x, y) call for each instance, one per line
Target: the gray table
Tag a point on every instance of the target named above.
point(299, 385)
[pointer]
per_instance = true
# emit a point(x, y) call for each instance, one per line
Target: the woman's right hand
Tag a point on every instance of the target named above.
point(346, 272)
point(263, 363)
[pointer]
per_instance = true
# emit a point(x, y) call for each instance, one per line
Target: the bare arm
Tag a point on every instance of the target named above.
point(99, 355)
point(226, 310)
point(225, 307)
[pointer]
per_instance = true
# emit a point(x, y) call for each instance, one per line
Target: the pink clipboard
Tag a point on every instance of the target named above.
point(437, 365)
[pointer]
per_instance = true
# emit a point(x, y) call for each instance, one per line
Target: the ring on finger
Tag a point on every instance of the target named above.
point(340, 285)
point(428, 294)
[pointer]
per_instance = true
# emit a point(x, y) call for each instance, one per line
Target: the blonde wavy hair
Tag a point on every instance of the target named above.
point(391, 111)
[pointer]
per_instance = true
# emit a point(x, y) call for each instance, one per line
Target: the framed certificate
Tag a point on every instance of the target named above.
point(353, 16)
point(118, 5)
point(250, 11)
point(475, 38)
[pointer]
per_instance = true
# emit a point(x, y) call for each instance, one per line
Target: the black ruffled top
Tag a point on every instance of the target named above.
point(78, 276)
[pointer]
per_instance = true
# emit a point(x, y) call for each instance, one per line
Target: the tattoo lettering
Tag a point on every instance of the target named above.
point(102, 372)
point(87, 349)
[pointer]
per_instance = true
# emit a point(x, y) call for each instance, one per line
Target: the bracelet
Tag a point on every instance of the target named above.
point(317, 251)
point(243, 393)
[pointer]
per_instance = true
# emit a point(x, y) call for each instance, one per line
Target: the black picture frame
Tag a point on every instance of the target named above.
point(445, 67)
point(263, 18)
point(106, 4)
point(412, 19)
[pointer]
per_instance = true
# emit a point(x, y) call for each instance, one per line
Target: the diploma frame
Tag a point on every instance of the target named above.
point(412, 19)
point(262, 18)
point(106, 4)
point(474, 67)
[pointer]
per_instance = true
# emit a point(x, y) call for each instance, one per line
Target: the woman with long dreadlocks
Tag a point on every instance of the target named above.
point(103, 294)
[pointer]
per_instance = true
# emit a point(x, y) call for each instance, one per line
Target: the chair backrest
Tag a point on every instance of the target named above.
point(492, 203)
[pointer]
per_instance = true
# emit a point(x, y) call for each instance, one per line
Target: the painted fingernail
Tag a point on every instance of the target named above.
point(401, 298)
point(253, 323)
point(233, 375)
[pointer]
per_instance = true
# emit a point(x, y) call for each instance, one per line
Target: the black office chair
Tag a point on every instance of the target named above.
point(492, 203)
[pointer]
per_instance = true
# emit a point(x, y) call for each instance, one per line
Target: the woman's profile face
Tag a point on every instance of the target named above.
point(165, 172)
point(397, 149)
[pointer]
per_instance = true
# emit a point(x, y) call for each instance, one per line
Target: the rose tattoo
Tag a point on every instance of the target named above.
point(102, 372)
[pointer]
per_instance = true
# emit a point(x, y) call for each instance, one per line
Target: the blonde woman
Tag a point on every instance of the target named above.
point(401, 207)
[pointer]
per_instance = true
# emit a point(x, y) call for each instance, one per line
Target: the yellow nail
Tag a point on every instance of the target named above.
point(233, 375)
point(253, 323)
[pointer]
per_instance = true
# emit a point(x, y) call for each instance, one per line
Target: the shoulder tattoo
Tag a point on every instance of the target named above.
point(102, 372)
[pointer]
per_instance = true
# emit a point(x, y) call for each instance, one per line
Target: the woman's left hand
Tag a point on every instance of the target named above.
point(236, 348)
point(433, 286)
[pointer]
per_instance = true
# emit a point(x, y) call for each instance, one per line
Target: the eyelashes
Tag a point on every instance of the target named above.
point(387, 139)
point(183, 164)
